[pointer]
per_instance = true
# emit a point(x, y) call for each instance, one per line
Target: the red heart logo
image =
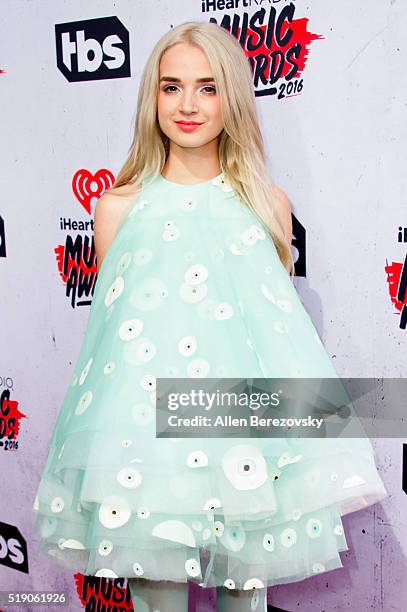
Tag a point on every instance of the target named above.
point(86, 186)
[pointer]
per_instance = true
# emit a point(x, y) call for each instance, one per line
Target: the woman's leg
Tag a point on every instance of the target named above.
point(158, 595)
point(233, 600)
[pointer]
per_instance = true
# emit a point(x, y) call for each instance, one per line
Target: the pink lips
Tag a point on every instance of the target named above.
point(187, 126)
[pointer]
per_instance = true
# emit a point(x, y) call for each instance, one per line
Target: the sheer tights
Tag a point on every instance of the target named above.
point(168, 596)
point(158, 595)
point(253, 600)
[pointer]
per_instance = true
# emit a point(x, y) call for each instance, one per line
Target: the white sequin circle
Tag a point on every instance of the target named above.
point(198, 368)
point(187, 345)
point(138, 569)
point(129, 477)
point(192, 567)
point(57, 504)
point(197, 459)
point(223, 311)
point(148, 382)
point(268, 542)
point(84, 402)
point(130, 329)
point(196, 274)
point(245, 467)
point(114, 512)
point(288, 537)
point(193, 293)
point(114, 291)
point(105, 548)
point(85, 371)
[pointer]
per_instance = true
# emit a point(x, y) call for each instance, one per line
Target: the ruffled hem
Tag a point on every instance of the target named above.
point(201, 524)
point(287, 556)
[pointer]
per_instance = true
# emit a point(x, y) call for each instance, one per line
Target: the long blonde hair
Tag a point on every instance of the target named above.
point(241, 147)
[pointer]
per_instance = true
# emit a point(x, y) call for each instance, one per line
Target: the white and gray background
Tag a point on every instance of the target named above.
point(339, 152)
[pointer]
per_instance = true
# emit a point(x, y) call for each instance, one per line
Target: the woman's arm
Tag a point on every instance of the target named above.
point(109, 211)
point(285, 207)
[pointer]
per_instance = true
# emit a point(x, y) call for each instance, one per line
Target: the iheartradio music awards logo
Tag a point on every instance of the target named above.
point(397, 281)
point(76, 258)
point(10, 417)
point(100, 593)
point(275, 42)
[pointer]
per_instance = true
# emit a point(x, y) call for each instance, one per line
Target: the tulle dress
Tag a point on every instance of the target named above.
point(192, 286)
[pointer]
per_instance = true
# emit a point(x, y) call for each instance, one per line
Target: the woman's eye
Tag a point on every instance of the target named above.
point(210, 87)
point(167, 87)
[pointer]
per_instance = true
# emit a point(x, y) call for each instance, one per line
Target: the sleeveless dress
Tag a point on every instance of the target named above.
point(192, 286)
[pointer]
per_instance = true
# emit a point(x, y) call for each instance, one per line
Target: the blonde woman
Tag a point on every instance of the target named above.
point(195, 281)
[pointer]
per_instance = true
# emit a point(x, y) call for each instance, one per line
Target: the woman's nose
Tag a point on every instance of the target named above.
point(188, 102)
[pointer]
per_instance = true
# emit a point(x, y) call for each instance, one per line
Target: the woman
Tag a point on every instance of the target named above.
point(193, 248)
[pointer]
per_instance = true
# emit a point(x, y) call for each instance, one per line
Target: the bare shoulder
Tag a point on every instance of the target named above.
point(110, 209)
point(120, 194)
point(282, 197)
point(124, 190)
point(285, 207)
point(115, 201)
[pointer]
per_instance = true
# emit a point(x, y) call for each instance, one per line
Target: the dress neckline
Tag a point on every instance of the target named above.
point(213, 180)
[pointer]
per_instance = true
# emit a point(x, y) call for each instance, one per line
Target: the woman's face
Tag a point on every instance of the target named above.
point(181, 98)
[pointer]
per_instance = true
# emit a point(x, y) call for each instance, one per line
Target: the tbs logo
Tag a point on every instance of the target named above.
point(13, 547)
point(93, 49)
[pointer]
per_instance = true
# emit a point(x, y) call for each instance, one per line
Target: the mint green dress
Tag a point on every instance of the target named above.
point(192, 286)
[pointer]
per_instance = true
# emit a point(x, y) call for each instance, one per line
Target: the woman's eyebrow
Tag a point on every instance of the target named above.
point(176, 80)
